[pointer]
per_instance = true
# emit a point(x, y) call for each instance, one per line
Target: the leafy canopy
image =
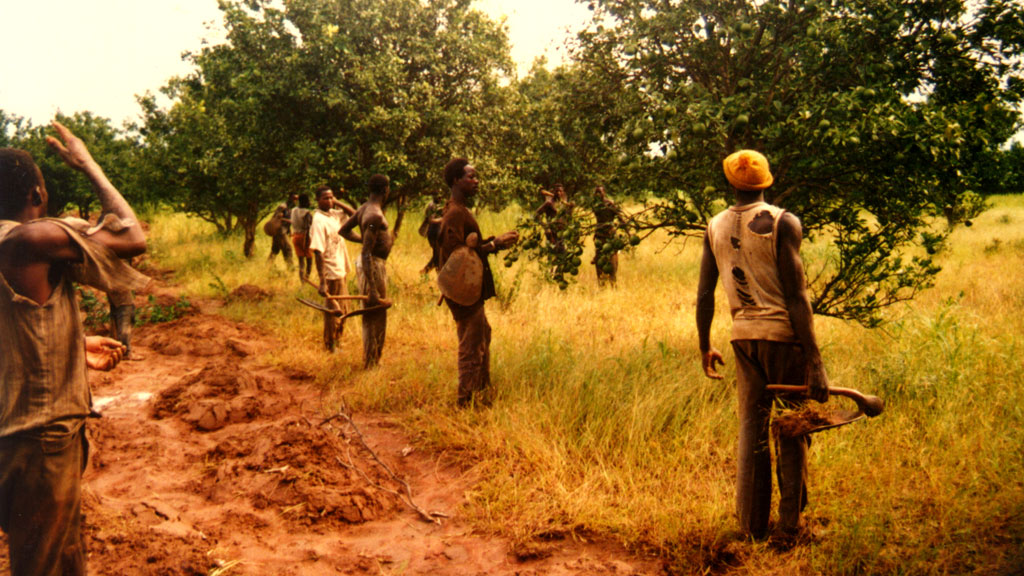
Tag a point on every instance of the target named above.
point(877, 116)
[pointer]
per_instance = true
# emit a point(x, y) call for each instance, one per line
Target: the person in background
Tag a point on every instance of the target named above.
point(606, 260)
point(278, 229)
point(371, 265)
point(301, 218)
point(331, 258)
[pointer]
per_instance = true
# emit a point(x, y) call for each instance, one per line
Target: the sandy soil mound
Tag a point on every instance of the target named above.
point(214, 397)
point(302, 469)
point(249, 293)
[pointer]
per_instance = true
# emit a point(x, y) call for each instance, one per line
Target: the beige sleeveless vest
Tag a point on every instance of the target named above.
point(747, 265)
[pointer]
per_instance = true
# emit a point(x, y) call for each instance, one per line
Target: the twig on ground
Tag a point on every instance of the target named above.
point(406, 496)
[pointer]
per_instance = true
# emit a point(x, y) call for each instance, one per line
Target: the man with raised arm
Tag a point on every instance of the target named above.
point(756, 248)
point(44, 394)
point(331, 259)
point(371, 266)
point(460, 229)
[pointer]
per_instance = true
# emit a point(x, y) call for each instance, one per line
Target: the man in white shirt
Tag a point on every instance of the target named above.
point(331, 257)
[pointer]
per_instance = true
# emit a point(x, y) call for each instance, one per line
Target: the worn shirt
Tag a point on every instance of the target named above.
point(300, 220)
point(748, 267)
point(324, 238)
point(43, 386)
point(456, 225)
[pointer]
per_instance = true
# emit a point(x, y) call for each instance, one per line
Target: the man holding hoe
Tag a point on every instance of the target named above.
point(44, 393)
point(331, 259)
point(755, 248)
point(371, 266)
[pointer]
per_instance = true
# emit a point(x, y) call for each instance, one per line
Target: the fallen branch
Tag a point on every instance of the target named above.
point(406, 496)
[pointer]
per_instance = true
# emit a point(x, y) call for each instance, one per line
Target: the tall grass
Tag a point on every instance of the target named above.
point(605, 425)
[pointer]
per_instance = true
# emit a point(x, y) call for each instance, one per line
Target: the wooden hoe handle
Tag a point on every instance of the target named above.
point(870, 405)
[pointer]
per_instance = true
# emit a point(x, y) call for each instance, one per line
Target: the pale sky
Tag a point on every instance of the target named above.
point(96, 55)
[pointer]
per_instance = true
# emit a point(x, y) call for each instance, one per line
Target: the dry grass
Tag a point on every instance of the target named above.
point(605, 424)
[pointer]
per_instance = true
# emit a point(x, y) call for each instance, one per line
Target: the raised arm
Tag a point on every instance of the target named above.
point(349, 211)
point(348, 231)
point(798, 304)
point(126, 243)
point(30, 256)
point(706, 311)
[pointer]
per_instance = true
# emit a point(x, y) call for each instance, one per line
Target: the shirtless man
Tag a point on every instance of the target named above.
point(554, 212)
point(371, 266)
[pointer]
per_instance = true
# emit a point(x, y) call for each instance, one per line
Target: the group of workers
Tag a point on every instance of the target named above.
point(752, 247)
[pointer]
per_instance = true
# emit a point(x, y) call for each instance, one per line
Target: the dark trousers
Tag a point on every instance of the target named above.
point(41, 503)
point(474, 353)
point(759, 363)
point(281, 243)
point(375, 324)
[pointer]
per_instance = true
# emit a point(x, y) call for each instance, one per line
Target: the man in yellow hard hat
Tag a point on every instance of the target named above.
point(754, 248)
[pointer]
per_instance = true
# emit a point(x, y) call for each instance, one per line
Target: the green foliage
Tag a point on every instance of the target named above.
point(97, 313)
point(557, 243)
point(877, 115)
point(555, 131)
point(155, 313)
point(115, 150)
point(324, 91)
point(97, 310)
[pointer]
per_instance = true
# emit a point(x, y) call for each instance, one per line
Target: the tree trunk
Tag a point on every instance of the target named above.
point(249, 226)
point(400, 207)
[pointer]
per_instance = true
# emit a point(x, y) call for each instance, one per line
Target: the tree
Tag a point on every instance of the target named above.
point(220, 151)
point(325, 91)
point(111, 147)
point(875, 115)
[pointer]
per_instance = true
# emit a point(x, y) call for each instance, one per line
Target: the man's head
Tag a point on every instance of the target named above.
point(747, 171)
point(303, 201)
point(379, 187)
point(560, 191)
point(460, 174)
point(22, 190)
point(324, 198)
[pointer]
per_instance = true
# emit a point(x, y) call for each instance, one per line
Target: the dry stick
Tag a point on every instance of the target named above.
point(340, 297)
point(428, 516)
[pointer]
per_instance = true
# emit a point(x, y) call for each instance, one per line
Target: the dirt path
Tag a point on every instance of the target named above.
point(207, 462)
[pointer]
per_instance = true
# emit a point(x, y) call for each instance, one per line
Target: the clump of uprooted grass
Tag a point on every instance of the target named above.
point(796, 422)
point(604, 425)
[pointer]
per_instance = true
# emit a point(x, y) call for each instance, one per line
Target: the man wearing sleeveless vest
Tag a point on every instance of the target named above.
point(754, 248)
point(44, 394)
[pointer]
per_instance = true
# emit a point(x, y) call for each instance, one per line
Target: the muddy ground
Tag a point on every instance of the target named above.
point(206, 461)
